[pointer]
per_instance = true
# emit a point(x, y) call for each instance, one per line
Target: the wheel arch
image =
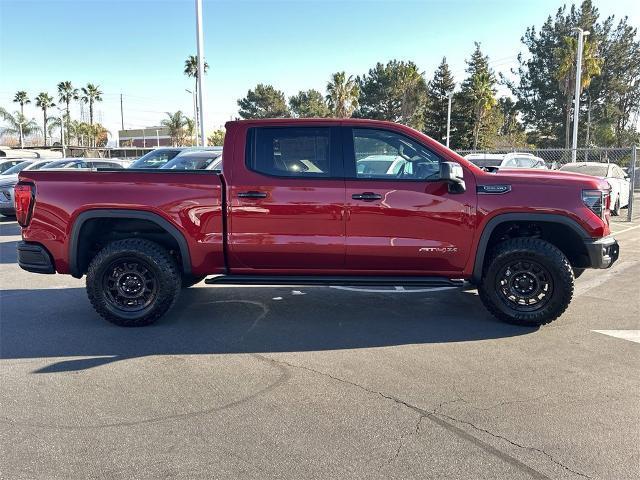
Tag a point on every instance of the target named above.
point(504, 219)
point(75, 239)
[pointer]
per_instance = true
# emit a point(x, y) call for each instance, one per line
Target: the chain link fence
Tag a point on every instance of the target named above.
point(617, 165)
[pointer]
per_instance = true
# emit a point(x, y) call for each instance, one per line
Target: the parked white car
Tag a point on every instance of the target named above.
point(613, 174)
point(498, 161)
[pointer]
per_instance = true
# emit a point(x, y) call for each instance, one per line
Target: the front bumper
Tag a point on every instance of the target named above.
point(603, 252)
point(34, 258)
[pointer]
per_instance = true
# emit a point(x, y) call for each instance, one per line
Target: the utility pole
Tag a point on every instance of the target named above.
point(200, 42)
point(449, 118)
point(576, 100)
point(121, 113)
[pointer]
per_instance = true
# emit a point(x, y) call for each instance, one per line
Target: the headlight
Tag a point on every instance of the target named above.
point(597, 201)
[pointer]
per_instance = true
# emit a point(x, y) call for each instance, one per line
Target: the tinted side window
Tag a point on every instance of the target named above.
point(387, 155)
point(291, 152)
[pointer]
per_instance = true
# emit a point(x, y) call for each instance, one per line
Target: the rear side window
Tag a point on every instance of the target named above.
point(291, 152)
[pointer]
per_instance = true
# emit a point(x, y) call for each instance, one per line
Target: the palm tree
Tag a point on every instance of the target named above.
point(66, 93)
point(44, 101)
point(90, 94)
point(52, 124)
point(175, 123)
point(18, 125)
point(190, 128)
point(191, 70)
point(342, 94)
point(22, 98)
point(566, 73)
point(484, 100)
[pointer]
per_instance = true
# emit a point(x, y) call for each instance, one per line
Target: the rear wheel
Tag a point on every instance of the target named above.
point(133, 282)
point(527, 281)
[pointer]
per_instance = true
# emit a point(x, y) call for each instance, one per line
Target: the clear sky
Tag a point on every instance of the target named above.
point(138, 47)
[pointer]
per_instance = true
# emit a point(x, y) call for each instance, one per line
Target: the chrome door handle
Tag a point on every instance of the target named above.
point(366, 196)
point(252, 194)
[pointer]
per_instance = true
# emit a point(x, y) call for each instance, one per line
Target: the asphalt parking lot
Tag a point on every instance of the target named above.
point(319, 383)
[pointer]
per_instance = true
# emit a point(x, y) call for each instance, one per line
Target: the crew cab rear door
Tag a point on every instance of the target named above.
point(400, 217)
point(286, 196)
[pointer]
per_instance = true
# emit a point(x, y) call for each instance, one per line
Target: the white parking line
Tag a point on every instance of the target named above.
point(625, 230)
point(631, 335)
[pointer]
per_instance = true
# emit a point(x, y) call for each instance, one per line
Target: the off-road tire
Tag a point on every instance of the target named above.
point(616, 208)
point(156, 262)
point(189, 281)
point(532, 250)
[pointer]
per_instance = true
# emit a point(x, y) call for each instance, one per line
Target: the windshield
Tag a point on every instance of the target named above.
point(191, 162)
point(66, 164)
point(593, 170)
point(521, 162)
point(16, 168)
point(155, 158)
point(376, 164)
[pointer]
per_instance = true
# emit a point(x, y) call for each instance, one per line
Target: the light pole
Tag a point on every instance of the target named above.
point(157, 138)
point(450, 96)
point(195, 116)
point(200, 42)
point(576, 100)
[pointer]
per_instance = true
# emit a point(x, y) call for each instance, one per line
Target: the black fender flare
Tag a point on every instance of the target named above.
point(519, 217)
point(83, 217)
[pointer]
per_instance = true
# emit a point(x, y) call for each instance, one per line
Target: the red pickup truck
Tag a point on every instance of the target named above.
point(318, 202)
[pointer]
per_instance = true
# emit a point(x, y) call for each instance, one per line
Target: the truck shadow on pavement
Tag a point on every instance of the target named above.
point(61, 323)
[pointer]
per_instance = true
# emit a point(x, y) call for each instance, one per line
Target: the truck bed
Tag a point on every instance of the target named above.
point(189, 200)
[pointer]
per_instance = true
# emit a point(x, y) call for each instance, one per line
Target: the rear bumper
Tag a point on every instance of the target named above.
point(34, 258)
point(603, 252)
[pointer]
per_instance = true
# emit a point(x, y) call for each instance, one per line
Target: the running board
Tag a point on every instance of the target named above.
point(350, 281)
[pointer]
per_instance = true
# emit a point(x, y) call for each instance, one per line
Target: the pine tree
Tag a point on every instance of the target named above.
point(437, 102)
point(475, 102)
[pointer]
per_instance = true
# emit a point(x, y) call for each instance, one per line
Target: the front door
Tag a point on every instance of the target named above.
point(287, 202)
point(400, 218)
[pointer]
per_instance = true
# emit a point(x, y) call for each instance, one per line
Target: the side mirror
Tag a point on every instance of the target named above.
point(453, 174)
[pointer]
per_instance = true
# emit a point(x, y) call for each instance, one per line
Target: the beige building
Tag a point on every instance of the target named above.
point(144, 137)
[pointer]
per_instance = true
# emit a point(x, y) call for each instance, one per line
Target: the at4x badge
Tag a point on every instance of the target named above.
point(438, 249)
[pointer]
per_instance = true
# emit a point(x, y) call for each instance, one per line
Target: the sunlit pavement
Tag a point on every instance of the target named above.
point(319, 383)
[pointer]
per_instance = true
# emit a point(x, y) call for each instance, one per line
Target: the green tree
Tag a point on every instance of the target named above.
point(216, 138)
point(309, 104)
point(175, 123)
point(474, 103)
point(395, 92)
point(66, 94)
point(342, 95)
point(44, 101)
point(91, 94)
point(437, 102)
point(22, 99)
point(614, 94)
point(264, 101)
point(17, 124)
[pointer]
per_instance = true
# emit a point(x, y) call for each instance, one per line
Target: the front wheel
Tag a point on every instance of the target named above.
point(527, 281)
point(133, 282)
